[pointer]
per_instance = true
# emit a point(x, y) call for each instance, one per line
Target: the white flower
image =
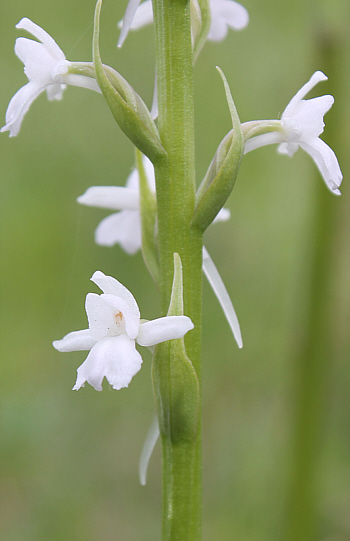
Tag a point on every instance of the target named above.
point(46, 68)
point(224, 14)
point(301, 124)
point(124, 228)
point(114, 327)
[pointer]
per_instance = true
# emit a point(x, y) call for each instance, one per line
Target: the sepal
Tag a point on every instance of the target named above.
point(127, 107)
point(175, 382)
point(223, 170)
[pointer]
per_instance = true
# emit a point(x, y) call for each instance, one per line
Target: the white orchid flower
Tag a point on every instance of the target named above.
point(114, 328)
point(300, 126)
point(46, 68)
point(124, 228)
point(224, 14)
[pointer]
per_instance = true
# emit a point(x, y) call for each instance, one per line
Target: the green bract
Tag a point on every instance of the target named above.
point(223, 170)
point(175, 381)
point(127, 107)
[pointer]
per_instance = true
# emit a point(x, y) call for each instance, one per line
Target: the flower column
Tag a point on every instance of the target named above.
point(175, 183)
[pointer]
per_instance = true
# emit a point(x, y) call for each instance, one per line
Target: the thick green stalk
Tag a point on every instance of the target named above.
point(175, 181)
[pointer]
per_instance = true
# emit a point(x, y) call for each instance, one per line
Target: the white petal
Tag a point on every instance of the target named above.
point(147, 449)
point(127, 20)
point(55, 92)
point(222, 216)
point(309, 116)
point(262, 140)
point(19, 105)
point(226, 13)
point(326, 161)
point(131, 321)
point(122, 228)
point(114, 358)
point(132, 181)
point(143, 15)
point(314, 80)
point(163, 329)
point(223, 297)
point(37, 60)
point(111, 286)
point(111, 197)
point(75, 341)
point(149, 170)
point(288, 149)
point(101, 317)
point(44, 37)
point(218, 30)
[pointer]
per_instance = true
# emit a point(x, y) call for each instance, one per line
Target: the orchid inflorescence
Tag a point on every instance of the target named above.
point(300, 125)
point(114, 323)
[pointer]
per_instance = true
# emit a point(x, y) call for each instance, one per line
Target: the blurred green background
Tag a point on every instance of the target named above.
point(69, 460)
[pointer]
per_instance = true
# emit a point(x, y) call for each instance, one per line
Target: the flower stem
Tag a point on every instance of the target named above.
point(175, 182)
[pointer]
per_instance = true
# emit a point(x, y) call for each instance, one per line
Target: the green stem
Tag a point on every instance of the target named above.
point(175, 181)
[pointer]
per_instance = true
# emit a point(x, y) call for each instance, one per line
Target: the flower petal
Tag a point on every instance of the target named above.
point(309, 116)
point(111, 286)
point(222, 295)
point(222, 216)
point(101, 317)
point(75, 341)
point(313, 81)
point(114, 358)
point(111, 197)
point(19, 105)
point(127, 20)
point(130, 320)
point(122, 228)
point(37, 60)
point(44, 37)
point(225, 13)
point(147, 449)
point(326, 161)
point(143, 15)
point(163, 329)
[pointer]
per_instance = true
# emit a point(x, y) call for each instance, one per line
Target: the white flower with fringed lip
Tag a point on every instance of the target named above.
point(224, 14)
point(46, 68)
point(301, 125)
point(114, 328)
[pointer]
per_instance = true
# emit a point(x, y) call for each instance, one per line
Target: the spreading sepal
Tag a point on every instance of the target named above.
point(223, 170)
point(175, 382)
point(127, 107)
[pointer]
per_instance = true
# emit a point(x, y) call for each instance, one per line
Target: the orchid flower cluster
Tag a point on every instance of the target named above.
point(141, 207)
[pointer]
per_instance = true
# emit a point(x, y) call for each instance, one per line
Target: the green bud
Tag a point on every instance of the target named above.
point(175, 382)
point(223, 170)
point(127, 107)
